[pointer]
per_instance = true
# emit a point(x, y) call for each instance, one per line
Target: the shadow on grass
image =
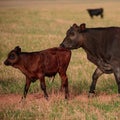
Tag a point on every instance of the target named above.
point(109, 86)
point(79, 87)
point(75, 88)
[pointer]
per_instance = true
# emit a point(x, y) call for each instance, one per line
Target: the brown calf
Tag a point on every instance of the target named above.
point(37, 65)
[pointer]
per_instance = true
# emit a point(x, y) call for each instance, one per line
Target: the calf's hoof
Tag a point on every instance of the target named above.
point(91, 95)
point(118, 95)
point(23, 100)
point(46, 97)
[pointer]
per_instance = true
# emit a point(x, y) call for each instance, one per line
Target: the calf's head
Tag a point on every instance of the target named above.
point(74, 38)
point(13, 56)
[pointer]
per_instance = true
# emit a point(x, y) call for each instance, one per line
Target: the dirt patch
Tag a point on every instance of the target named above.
point(10, 99)
point(16, 98)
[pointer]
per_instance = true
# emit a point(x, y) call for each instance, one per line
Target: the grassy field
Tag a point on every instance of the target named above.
point(37, 25)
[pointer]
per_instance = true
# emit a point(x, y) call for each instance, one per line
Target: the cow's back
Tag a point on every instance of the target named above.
point(105, 37)
point(55, 59)
point(103, 43)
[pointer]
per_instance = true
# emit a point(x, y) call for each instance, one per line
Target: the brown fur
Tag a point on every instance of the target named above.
point(37, 65)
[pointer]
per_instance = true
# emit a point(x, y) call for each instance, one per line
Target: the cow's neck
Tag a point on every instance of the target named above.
point(90, 55)
point(21, 66)
point(94, 54)
point(91, 48)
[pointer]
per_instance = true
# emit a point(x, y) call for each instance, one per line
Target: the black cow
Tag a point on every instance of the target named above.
point(102, 46)
point(95, 12)
point(37, 65)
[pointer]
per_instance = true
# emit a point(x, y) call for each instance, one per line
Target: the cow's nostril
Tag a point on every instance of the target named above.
point(6, 62)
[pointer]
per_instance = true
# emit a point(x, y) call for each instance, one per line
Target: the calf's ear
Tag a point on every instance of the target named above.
point(17, 49)
point(82, 27)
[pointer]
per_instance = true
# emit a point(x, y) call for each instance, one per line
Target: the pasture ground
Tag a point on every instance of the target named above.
point(37, 25)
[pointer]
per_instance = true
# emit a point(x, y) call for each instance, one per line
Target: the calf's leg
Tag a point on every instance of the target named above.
point(26, 88)
point(64, 84)
point(95, 77)
point(43, 87)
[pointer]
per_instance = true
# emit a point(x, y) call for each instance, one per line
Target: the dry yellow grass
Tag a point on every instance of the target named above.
point(78, 107)
point(38, 25)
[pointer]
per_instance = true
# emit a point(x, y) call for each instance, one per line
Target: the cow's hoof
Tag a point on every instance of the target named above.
point(67, 96)
point(91, 95)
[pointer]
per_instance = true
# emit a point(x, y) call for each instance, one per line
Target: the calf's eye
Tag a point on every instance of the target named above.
point(12, 56)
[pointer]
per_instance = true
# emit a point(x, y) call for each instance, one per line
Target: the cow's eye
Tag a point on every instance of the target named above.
point(72, 33)
point(12, 56)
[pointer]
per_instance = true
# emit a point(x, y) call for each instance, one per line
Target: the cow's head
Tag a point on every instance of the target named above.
point(74, 38)
point(13, 56)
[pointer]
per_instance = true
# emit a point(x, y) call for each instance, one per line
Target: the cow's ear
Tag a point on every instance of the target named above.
point(75, 25)
point(17, 49)
point(82, 27)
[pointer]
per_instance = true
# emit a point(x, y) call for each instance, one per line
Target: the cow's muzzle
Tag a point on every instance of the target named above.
point(62, 45)
point(7, 63)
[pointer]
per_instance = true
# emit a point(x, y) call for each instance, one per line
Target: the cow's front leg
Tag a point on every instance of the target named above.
point(26, 88)
point(95, 77)
point(117, 77)
point(43, 87)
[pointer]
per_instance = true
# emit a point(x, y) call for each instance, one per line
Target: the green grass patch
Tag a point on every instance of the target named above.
point(107, 107)
point(9, 113)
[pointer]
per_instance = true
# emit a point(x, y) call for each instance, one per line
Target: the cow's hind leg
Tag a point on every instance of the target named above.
point(102, 15)
point(95, 77)
point(117, 77)
point(64, 84)
point(43, 87)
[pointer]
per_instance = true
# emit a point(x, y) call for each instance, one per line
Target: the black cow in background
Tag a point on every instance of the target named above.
point(95, 12)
